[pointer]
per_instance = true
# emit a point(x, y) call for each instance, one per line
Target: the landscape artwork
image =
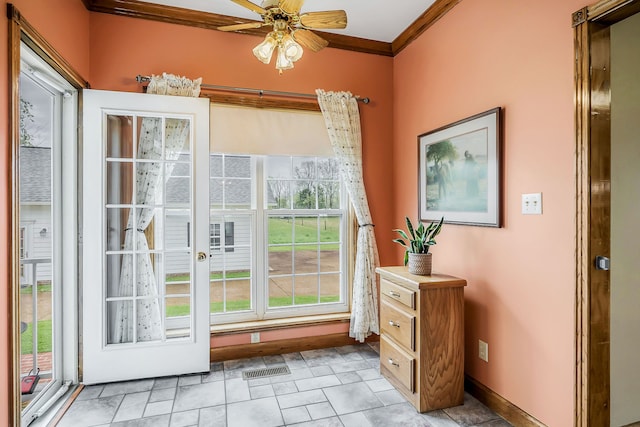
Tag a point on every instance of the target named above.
point(459, 172)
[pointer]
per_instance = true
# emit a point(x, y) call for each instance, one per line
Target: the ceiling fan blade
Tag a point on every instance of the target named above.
point(238, 27)
point(291, 6)
point(334, 19)
point(309, 39)
point(251, 6)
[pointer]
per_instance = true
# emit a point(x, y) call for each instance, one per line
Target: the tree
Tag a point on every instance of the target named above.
point(438, 153)
point(280, 192)
point(306, 198)
point(328, 185)
point(26, 121)
point(305, 191)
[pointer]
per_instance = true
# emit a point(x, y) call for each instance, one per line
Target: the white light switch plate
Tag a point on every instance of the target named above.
point(532, 204)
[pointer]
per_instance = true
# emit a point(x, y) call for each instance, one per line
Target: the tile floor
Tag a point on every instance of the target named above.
point(338, 386)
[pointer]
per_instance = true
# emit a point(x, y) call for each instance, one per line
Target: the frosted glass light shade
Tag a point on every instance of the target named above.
point(264, 50)
point(282, 62)
point(292, 50)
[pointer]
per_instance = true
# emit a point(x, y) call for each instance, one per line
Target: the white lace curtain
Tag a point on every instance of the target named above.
point(342, 118)
point(149, 183)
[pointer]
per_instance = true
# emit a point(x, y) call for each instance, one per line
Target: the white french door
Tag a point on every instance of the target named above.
point(145, 286)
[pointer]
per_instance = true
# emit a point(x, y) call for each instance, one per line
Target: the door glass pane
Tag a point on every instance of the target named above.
point(119, 177)
point(177, 229)
point(38, 234)
point(177, 308)
point(115, 286)
point(116, 225)
point(177, 280)
point(120, 312)
point(178, 189)
point(149, 264)
point(120, 143)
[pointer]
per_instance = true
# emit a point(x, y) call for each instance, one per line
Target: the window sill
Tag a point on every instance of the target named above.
point(265, 325)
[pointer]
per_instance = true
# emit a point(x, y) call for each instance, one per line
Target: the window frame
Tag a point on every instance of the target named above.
point(260, 268)
point(65, 99)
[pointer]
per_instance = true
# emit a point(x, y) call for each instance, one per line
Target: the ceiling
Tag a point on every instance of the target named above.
point(367, 19)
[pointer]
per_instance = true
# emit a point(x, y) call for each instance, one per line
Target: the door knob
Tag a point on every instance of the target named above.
point(202, 256)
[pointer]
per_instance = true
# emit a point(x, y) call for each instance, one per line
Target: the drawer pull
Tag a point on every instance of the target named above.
point(392, 323)
point(393, 363)
point(394, 294)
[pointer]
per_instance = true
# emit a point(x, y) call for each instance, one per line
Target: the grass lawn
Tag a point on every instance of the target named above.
point(239, 305)
point(306, 231)
point(44, 338)
point(213, 276)
point(41, 288)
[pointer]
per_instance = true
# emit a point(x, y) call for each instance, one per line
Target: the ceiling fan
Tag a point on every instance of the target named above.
point(291, 29)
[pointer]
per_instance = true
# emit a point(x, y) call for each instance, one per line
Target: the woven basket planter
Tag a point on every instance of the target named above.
point(420, 264)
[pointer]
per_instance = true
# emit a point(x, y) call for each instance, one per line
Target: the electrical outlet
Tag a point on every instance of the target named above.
point(255, 337)
point(532, 204)
point(483, 350)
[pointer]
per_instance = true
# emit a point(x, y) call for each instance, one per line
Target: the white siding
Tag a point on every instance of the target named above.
point(37, 218)
point(176, 237)
point(240, 258)
point(176, 232)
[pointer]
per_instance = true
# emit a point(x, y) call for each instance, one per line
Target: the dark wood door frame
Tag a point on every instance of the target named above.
point(593, 194)
point(20, 30)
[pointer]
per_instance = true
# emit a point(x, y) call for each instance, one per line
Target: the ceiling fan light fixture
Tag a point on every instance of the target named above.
point(291, 30)
point(282, 61)
point(264, 51)
point(292, 50)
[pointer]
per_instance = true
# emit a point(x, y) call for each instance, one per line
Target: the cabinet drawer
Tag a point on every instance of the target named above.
point(398, 324)
point(398, 293)
point(397, 362)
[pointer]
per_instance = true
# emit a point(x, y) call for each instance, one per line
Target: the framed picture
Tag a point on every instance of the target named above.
point(459, 171)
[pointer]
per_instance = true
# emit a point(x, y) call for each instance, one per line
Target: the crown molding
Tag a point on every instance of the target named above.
point(211, 21)
point(437, 10)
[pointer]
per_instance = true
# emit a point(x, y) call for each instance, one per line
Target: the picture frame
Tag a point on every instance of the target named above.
point(459, 171)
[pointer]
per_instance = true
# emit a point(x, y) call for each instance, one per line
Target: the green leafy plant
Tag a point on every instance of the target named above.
point(418, 240)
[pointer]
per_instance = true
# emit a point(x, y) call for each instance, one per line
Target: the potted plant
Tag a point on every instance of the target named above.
point(417, 241)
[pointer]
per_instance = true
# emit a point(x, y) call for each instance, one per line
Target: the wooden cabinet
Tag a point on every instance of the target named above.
point(422, 336)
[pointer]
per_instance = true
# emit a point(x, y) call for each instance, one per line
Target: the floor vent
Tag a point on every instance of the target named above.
point(265, 372)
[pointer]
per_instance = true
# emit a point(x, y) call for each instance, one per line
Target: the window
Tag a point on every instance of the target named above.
point(215, 236)
point(284, 237)
point(228, 236)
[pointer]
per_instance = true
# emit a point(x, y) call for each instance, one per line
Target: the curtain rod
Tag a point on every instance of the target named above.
point(143, 79)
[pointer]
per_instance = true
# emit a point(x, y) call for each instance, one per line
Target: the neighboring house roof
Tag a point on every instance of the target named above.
point(237, 170)
point(35, 174)
point(35, 178)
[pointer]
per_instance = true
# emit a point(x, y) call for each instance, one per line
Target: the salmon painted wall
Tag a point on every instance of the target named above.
point(521, 285)
point(125, 47)
point(65, 24)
